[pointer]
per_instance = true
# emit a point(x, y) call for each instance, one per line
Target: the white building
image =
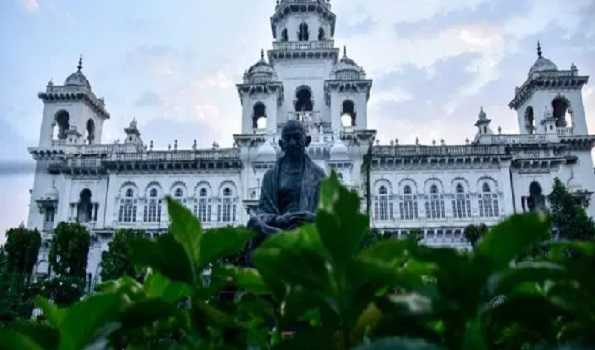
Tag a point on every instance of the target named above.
point(438, 188)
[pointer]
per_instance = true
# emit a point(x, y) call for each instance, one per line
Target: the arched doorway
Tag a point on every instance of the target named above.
point(85, 207)
point(303, 100)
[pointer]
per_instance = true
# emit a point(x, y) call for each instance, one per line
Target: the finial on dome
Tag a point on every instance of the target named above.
point(539, 52)
point(482, 113)
point(262, 54)
point(344, 50)
point(80, 65)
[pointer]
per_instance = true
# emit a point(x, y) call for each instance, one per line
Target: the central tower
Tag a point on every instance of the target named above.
point(304, 77)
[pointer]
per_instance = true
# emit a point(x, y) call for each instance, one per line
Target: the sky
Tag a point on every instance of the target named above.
point(173, 66)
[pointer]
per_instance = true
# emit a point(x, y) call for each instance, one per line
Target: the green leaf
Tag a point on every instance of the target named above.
point(40, 332)
point(244, 278)
point(218, 243)
point(511, 238)
point(146, 312)
point(342, 229)
point(186, 229)
point(13, 340)
point(527, 271)
point(165, 255)
point(474, 339)
point(54, 315)
point(84, 319)
point(399, 344)
point(159, 286)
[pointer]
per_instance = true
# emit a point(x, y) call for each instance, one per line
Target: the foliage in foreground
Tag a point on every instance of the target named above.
point(319, 288)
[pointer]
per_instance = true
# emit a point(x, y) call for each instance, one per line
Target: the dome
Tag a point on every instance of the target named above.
point(260, 72)
point(77, 78)
point(347, 69)
point(339, 151)
point(266, 152)
point(542, 64)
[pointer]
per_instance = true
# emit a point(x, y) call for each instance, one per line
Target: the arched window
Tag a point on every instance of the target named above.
point(152, 213)
point(179, 193)
point(259, 118)
point(536, 200)
point(488, 202)
point(348, 114)
point(408, 206)
point(203, 209)
point(284, 35)
point(227, 209)
point(304, 100)
point(461, 205)
point(561, 108)
point(303, 33)
point(63, 122)
point(90, 131)
point(383, 207)
point(435, 204)
point(321, 34)
point(530, 120)
point(85, 207)
point(127, 213)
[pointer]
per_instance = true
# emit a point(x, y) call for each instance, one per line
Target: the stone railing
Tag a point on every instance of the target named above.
point(325, 3)
point(517, 139)
point(303, 45)
point(185, 155)
point(418, 150)
point(565, 131)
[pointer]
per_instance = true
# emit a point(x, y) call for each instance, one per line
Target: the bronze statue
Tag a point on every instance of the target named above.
point(290, 191)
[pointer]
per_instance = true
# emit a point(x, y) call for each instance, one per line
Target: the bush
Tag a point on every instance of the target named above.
point(319, 287)
point(116, 262)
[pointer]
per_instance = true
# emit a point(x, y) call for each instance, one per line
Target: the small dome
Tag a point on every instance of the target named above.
point(542, 64)
point(77, 78)
point(347, 69)
point(339, 151)
point(262, 71)
point(266, 152)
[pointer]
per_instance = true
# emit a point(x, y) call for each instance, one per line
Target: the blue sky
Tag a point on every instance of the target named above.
point(173, 64)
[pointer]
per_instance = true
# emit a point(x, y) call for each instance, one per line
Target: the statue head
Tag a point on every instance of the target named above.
point(294, 139)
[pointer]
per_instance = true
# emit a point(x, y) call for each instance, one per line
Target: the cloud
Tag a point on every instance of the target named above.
point(148, 99)
point(31, 5)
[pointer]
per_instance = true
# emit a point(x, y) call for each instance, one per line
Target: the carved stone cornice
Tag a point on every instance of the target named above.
point(347, 86)
point(548, 80)
point(68, 94)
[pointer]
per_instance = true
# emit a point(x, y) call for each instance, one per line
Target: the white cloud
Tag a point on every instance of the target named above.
point(31, 5)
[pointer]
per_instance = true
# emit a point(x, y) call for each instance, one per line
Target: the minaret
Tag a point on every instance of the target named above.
point(72, 113)
point(483, 125)
point(558, 91)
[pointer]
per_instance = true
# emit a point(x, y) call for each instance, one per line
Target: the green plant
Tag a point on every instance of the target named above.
point(321, 287)
point(69, 250)
point(569, 219)
point(474, 233)
point(22, 247)
point(116, 262)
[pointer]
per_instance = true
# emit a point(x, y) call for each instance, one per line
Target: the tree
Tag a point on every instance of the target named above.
point(116, 261)
point(69, 250)
point(17, 260)
point(474, 233)
point(22, 248)
point(569, 219)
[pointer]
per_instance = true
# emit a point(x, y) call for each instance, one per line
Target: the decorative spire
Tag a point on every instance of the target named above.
point(539, 52)
point(482, 114)
point(262, 54)
point(344, 51)
point(80, 65)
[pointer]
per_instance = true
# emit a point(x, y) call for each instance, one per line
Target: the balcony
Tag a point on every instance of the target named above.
point(303, 45)
point(562, 132)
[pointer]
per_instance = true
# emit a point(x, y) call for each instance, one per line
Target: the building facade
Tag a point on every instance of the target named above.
point(437, 188)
